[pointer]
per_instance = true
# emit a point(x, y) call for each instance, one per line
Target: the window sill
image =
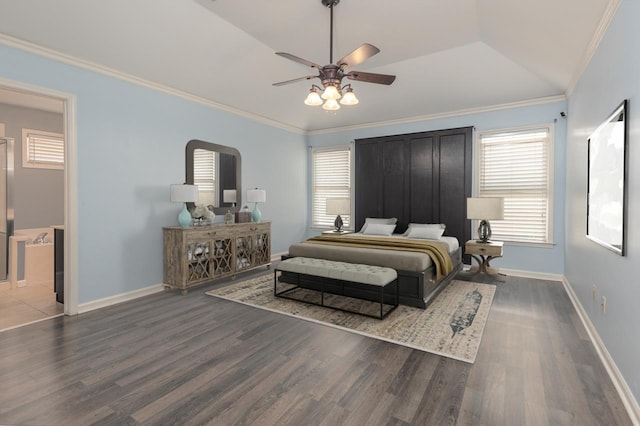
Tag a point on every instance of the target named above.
point(532, 245)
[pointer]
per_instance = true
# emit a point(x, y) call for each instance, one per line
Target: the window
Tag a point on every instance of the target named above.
point(44, 150)
point(517, 165)
point(331, 179)
point(204, 175)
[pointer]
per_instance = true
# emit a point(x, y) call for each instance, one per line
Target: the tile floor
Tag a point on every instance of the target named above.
point(27, 304)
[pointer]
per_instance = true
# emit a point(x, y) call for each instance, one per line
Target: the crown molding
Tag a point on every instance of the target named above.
point(457, 113)
point(601, 30)
point(55, 55)
point(94, 67)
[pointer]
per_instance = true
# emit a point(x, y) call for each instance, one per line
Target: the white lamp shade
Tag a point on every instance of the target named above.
point(256, 195)
point(229, 196)
point(485, 208)
point(184, 193)
point(338, 206)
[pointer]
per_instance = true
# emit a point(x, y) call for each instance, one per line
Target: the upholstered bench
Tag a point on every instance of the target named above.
point(377, 278)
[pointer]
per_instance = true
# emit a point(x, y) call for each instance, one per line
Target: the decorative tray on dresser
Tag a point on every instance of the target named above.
point(200, 254)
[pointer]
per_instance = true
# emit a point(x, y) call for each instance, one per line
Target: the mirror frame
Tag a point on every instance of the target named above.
point(194, 144)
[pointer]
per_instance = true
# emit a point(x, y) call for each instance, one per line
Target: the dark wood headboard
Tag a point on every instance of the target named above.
point(418, 177)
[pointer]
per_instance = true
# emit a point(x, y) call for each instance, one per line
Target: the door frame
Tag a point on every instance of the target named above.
point(69, 101)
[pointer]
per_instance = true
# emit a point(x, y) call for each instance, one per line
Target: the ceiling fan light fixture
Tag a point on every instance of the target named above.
point(313, 98)
point(349, 98)
point(331, 105)
point(331, 92)
point(331, 75)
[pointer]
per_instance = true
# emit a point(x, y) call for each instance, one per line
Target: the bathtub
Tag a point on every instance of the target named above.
point(37, 262)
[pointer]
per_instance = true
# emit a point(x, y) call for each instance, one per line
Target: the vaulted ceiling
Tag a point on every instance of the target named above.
point(448, 56)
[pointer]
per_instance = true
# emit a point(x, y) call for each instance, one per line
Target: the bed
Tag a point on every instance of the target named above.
point(420, 279)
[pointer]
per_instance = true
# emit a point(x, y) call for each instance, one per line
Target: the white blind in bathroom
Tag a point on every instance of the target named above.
point(42, 149)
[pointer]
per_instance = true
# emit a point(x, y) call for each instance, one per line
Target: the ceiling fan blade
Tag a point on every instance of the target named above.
point(369, 77)
point(282, 83)
point(358, 56)
point(299, 60)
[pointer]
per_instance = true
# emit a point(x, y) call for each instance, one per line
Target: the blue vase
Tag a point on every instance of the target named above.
point(184, 218)
point(257, 214)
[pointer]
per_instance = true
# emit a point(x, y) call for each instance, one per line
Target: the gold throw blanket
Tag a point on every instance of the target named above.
point(435, 250)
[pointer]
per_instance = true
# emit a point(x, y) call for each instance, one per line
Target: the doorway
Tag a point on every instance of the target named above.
point(43, 299)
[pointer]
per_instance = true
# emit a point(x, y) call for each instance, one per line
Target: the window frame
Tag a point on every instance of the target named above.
point(549, 240)
point(26, 145)
point(332, 148)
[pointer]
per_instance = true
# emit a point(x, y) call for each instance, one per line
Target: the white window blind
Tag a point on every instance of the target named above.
point(204, 176)
point(331, 179)
point(517, 165)
point(42, 149)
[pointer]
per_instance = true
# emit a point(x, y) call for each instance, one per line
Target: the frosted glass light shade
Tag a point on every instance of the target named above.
point(313, 98)
point(349, 98)
point(256, 196)
point(184, 193)
point(331, 105)
point(485, 208)
point(331, 92)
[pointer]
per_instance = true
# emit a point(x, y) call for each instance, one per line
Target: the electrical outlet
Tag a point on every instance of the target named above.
point(603, 304)
point(594, 292)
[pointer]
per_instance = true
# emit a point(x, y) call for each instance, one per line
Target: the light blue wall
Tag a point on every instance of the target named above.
point(612, 75)
point(544, 260)
point(131, 144)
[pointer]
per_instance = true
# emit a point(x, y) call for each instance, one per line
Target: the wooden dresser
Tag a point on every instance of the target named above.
point(201, 254)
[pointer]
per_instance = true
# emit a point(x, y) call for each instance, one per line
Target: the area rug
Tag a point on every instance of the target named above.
point(451, 326)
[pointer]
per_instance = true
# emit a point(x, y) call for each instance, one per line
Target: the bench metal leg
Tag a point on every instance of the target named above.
point(382, 315)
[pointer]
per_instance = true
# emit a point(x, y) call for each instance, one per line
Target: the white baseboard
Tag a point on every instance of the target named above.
point(629, 401)
point(119, 298)
point(527, 274)
point(277, 256)
point(532, 274)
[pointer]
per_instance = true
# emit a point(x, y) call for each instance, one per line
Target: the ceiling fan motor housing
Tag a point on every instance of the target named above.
point(331, 75)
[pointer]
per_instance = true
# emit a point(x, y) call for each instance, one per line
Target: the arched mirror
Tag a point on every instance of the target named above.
point(214, 169)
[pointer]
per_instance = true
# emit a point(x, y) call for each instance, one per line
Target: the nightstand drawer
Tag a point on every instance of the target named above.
point(484, 249)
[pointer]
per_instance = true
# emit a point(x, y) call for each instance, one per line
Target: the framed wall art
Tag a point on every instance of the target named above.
point(607, 182)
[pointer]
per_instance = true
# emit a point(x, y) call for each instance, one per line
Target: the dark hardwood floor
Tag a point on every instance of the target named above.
point(190, 360)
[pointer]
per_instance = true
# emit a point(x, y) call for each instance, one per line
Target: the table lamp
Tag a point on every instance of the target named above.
point(483, 209)
point(229, 196)
point(338, 206)
point(184, 194)
point(256, 196)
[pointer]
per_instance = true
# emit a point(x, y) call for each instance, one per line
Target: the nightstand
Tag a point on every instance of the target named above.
point(483, 253)
point(334, 232)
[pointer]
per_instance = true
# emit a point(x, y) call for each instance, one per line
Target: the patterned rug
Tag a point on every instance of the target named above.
point(451, 326)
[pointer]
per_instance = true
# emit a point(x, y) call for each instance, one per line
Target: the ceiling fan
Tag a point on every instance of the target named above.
point(331, 75)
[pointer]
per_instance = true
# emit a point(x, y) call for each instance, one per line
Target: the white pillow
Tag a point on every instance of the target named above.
point(381, 221)
point(426, 233)
point(378, 229)
point(434, 226)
